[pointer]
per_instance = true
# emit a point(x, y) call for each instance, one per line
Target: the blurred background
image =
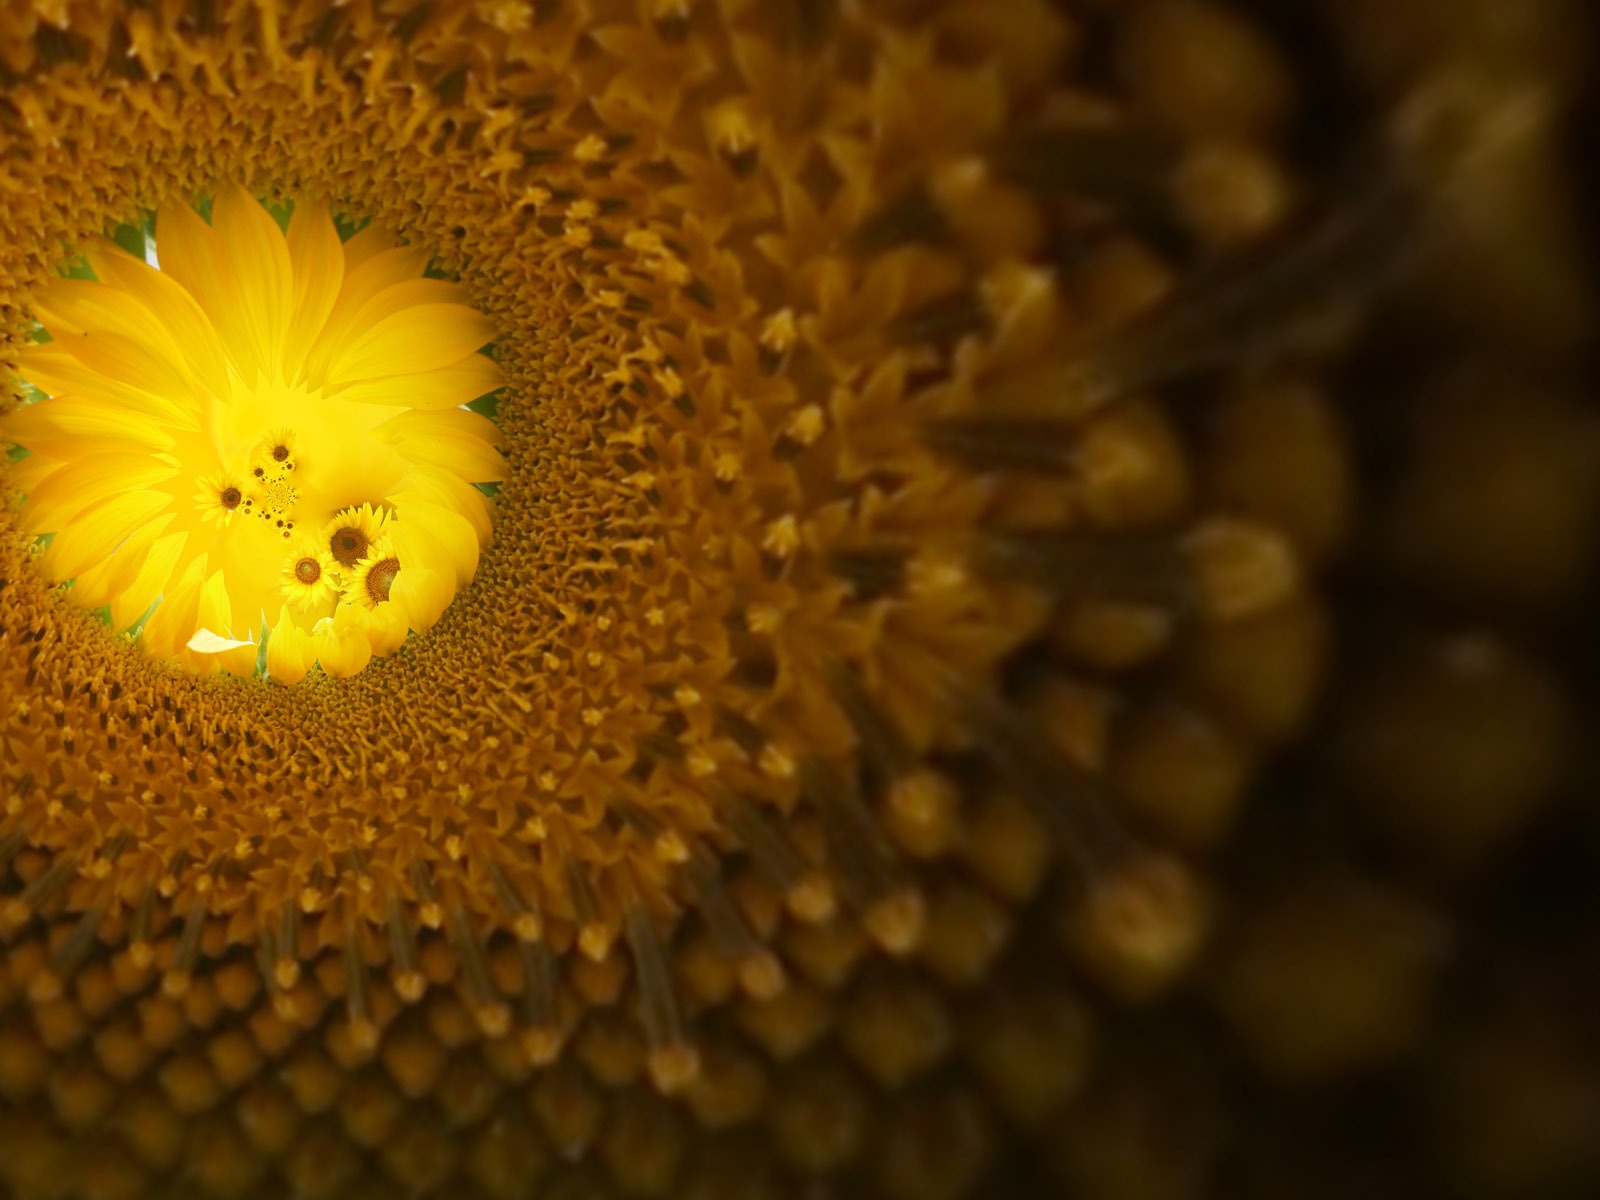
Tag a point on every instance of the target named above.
point(1402, 997)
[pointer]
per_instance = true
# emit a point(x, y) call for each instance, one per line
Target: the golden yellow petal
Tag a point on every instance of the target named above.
point(81, 424)
point(128, 604)
point(448, 387)
point(256, 284)
point(171, 307)
point(424, 337)
point(453, 440)
point(99, 530)
point(289, 651)
point(62, 495)
point(420, 592)
point(317, 262)
point(117, 370)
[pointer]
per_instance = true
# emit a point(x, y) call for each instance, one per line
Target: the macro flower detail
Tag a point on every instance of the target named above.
point(303, 381)
point(809, 674)
point(786, 542)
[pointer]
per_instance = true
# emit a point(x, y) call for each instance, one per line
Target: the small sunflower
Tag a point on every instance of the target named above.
point(219, 497)
point(373, 577)
point(350, 535)
point(309, 576)
point(274, 455)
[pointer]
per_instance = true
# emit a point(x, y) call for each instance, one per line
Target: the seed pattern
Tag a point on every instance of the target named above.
point(842, 502)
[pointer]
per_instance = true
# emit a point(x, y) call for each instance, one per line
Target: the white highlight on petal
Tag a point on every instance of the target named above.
point(206, 642)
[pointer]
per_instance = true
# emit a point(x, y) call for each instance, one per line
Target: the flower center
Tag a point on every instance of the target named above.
point(308, 570)
point(349, 546)
point(230, 498)
point(381, 578)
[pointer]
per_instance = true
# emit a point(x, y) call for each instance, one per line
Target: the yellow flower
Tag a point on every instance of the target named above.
point(348, 537)
point(309, 576)
point(220, 497)
point(371, 579)
point(274, 454)
point(336, 370)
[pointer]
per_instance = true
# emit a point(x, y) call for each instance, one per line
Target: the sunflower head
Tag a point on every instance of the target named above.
point(371, 581)
point(274, 455)
point(220, 496)
point(309, 576)
point(351, 534)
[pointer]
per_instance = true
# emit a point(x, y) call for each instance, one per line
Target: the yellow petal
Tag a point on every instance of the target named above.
point(173, 621)
point(454, 440)
point(111, 576)
point(258, 287)
point(128, 605)
point(363, 281)
point(434, 486)
point(216, 610)
point(98, 531)
point(115, 371)
point(423, 337)
point(341, 643)
point(66, 492)
point(68, 426)
point(445, 538)
point(31, 471)
point(368, 244)
point(448, 387)
point(317, 263)
point(397, 297)
point(422, 594)
point(214, 643)
point(289, 651)
point(172, 307)
point(190, 254)
point(387, 626)
point(206, 641)
point(74, 310)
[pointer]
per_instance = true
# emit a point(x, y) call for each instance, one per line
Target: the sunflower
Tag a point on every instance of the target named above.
point(349, 536)
point(220, 496)
point(309, 576)
point(813, 548)
point(274, 454)
point(372, 579)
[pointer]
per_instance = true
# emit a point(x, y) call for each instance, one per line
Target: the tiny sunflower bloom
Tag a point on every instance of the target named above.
point(275, 454)
point(351, 534)
point(309, 575)
point(219, 497)
point(374, 576)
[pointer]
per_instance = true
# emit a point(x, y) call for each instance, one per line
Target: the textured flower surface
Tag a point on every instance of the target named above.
point(919, 468)
point(252, 382)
